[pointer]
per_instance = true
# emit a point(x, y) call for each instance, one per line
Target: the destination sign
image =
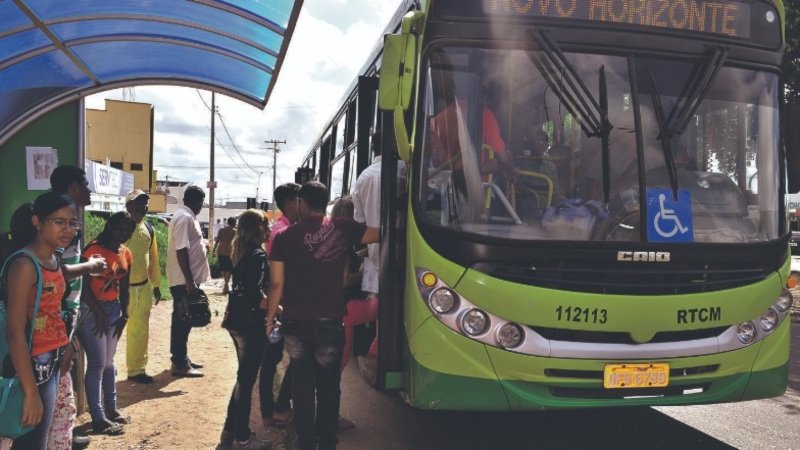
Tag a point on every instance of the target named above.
point(724, 17)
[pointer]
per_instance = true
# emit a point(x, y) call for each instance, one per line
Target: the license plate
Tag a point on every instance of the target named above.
point(628, 376)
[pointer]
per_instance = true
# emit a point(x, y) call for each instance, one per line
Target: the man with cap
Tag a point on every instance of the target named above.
point(144, 287)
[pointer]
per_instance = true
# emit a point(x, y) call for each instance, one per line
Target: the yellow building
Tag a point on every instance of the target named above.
point(122, 135)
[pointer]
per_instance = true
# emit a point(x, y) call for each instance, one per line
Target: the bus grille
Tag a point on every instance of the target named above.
point(599, 393)
point(627, 278)
point(612, 337)
point(598, 374)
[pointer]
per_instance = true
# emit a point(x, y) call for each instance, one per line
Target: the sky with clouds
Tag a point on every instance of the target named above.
point(331, 41)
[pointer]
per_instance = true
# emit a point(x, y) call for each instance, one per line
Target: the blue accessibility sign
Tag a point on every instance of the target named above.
point(669, 220)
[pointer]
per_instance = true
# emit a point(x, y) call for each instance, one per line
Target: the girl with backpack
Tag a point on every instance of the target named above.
point(38, 229)
point(105, 306)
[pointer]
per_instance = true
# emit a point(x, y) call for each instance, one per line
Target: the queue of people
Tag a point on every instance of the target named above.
point(94, 293)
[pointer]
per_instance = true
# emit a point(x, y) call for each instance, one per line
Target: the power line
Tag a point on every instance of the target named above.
point(225, 127)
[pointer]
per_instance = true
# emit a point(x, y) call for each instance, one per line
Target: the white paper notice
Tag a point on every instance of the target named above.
point(40, 162)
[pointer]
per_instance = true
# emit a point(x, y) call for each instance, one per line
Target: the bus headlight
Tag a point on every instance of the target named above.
point(769, 320)
point(509, 335)
point(746, 332)
point(784, 301)
point(442, 300)
point(474, 322)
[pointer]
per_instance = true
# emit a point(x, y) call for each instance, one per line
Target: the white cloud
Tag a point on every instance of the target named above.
point(330, 44)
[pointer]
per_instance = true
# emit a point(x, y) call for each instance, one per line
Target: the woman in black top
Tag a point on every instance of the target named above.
point(244, 320)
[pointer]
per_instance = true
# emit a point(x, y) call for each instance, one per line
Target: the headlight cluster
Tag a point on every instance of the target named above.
point(462, 316)
point(748, 332)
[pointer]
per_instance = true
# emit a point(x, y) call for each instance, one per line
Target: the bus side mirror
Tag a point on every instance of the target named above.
point(791, 141)
point(397, 71)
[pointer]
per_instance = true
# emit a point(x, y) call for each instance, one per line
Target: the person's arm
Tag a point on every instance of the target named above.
point(186, 269)
point(21, 276)
point(88, 298)
point(276, 281)
point(154, 271)
point(216, 243)
point(124, 300)
point(371, 236)
point(95, 264)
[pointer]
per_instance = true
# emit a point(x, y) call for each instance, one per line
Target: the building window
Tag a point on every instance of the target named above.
point(116, 165)
point(137, 166)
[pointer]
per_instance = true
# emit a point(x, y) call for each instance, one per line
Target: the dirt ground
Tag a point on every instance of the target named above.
point(182, 413)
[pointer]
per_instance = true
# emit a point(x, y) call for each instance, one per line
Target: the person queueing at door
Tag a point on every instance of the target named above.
point(144, 286)
point(105, 311)
point(50, 223)
point(278, 412)
point(306, 267)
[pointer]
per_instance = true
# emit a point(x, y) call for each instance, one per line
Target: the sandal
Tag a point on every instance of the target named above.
point(107, 427)
point(117, 416)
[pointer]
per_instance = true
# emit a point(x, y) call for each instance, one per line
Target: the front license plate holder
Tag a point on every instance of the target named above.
point(632, 376)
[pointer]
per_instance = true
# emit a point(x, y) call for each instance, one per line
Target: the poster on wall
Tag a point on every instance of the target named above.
point(40, 162)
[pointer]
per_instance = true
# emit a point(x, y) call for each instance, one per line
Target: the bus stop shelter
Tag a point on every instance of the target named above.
point(53, 53)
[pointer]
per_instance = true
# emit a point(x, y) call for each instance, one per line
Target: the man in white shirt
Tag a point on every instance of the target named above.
point(367, 203)
point(187, 268)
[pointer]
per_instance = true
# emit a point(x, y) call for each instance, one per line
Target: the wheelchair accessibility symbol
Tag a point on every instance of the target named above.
point(669, 220)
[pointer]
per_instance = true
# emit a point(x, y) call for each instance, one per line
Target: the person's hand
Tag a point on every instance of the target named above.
point(264, 304)
point(100, 322)
point(157, 294)
point(120, 325)
point(191, 288)
point(98, 264)
point(32, 409)
point(269, 324)
point(66, 360)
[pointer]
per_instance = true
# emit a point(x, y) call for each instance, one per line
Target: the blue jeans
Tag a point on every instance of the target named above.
point(100, 350)
point(315, 349)
point(36, 439)
point(249, 347)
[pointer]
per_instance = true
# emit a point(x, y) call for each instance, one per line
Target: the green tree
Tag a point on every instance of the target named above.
point(791, 59)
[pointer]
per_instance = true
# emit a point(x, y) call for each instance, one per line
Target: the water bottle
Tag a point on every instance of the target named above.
point(275, 335)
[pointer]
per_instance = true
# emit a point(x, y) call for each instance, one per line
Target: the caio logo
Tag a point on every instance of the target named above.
point(645, 257)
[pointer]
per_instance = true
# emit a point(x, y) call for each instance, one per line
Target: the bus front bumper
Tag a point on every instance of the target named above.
point(451, 372)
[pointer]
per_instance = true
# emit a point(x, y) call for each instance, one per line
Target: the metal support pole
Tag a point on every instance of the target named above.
point(211, 183)
point(275, 151)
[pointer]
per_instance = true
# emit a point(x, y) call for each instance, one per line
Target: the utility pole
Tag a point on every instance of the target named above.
point(211, 184)
point(275, 151)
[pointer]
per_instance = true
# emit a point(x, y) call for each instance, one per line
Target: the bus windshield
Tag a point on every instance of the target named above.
point(517, 147)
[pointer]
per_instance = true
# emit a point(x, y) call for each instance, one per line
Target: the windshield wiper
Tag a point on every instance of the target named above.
point(695, 91)
point(665, 135)
point(568, 85)
point(684, 109)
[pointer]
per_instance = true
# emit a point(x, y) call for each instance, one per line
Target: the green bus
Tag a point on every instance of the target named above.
point(583, 201)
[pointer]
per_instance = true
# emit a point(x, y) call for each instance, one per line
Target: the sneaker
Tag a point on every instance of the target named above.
point(142, 378)
point(186, 372)
point(107, 427)
point(251, 444)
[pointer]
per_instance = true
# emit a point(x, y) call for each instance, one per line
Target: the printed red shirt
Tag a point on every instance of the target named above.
point(105, 286)
point(49, 331)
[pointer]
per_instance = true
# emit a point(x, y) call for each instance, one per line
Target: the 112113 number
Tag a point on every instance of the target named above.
point(581, 315)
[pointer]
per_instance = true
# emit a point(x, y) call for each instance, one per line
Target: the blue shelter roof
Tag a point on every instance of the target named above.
point(54, 51)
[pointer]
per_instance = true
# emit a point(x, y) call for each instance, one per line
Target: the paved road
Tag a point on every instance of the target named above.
point(385, 422)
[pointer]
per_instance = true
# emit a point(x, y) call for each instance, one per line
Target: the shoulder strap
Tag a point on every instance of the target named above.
point(150, 229)
point(38, 284)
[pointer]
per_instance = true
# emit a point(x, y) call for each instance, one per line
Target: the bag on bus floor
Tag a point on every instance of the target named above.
point(11, 395)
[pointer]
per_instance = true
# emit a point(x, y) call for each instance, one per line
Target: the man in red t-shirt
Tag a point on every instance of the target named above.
point(307, 262)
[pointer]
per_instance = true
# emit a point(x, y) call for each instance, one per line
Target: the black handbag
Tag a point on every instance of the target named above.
point(193, 309)
point(239, 314)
